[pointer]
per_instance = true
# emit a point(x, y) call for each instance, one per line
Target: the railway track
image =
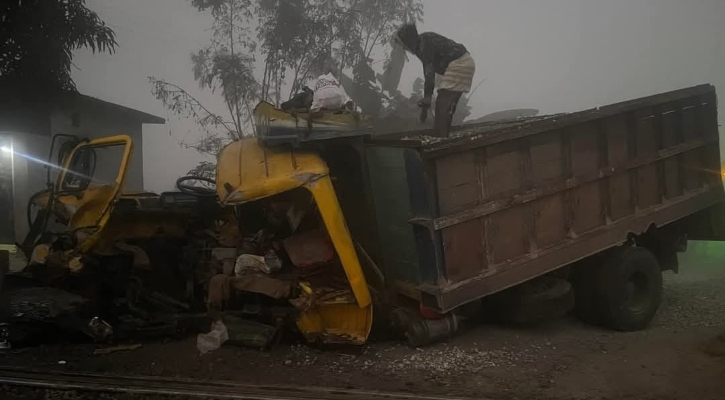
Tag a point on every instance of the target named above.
point(55, 380)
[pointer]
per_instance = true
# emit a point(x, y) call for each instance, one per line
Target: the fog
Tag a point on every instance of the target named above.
point(554, 55)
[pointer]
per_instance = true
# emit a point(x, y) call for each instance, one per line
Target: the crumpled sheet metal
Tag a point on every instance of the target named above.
point(336, 323)
point(308, 300)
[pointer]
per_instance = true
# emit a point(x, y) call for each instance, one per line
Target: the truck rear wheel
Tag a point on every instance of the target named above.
point(623, 293)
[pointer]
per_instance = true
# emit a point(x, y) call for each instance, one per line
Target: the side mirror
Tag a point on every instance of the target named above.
point(80, 170)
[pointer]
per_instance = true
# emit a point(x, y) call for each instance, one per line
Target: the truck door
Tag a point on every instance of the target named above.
point(90, 182)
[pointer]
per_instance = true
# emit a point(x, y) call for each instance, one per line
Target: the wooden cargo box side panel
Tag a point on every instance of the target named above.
point(550, 221)
point(693, 165)
point(506, 234)
point(464, 249)
point(669, 132)
point(644, 134)
point(547, 161)
point(706, 114)
point(510, 201)
point(585, 199)
point(548, 169)
point(698, 163)
point(671, 171)
point(699, 122)
point(459, 185)
point(621, 201)
point(558, 193)
point(707, 111)
point(685, 123)
point(690, 111)
point(504, 174)
point(485, 178)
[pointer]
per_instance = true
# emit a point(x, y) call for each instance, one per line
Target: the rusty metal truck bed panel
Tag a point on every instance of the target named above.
point(500, 203)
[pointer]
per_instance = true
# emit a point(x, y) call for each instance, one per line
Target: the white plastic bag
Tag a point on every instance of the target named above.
point(213, 340)
point(250, 262)
point(329, 94)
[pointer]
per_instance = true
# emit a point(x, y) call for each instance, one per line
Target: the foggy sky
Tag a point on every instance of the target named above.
point(554, 55)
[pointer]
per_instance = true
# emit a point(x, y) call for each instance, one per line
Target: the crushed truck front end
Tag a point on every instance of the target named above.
point(331, 293)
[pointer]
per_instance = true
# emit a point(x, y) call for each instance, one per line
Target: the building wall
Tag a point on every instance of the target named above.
point(94, 125)
point(7, 218)
point(29, 174)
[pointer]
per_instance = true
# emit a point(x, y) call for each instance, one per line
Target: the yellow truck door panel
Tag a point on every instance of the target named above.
point(90, 198)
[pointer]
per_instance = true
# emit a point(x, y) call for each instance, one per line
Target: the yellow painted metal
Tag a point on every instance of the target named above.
point(337, 323)
point(326, 199)
point(94, 205)
point(267, 117)
point(247, 171)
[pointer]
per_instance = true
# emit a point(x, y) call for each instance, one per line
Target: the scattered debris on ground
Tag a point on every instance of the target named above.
point(564, 359)
point(114, 349)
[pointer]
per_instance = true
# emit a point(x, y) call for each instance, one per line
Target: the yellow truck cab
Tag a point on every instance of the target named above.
point(335, 311)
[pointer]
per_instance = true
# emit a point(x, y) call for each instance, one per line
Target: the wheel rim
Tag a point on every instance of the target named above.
point(638, 292)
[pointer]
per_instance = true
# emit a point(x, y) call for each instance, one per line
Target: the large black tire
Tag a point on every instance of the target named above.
point(623, 293)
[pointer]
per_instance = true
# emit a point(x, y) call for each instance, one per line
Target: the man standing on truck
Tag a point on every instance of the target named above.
point(447, 58)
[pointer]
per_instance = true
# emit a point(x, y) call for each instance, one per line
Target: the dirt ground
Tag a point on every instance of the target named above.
point(564, 359)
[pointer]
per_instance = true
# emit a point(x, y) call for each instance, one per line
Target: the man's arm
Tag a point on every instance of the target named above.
point(430, 79)
point(426, 57)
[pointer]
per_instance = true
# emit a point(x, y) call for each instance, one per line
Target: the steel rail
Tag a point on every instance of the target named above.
point(55, 380)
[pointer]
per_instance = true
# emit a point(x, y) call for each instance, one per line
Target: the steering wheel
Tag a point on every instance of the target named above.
point(197, 186)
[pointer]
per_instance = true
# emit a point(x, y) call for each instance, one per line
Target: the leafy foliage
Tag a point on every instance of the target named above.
point(224, 65)
point(38, 39)
point(297, 41)
point(204, 169)
point(319, 36)
point(297, 37)
point(214, 129)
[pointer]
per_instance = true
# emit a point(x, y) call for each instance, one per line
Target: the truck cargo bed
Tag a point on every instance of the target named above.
point(499, 203)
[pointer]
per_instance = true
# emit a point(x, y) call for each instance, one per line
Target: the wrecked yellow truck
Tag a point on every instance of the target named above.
point(514, 221)
point(120, 253)
point(146, 264)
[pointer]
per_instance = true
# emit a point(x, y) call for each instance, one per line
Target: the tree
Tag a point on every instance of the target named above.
point(290, 38)
point(38, 39)
point(224, 65)
point(315, 37)
point(297, 40)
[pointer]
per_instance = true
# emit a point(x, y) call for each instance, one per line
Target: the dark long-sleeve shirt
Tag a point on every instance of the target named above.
point(436, 52)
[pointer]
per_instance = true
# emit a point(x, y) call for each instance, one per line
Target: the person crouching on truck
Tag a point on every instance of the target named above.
point(447, 58)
